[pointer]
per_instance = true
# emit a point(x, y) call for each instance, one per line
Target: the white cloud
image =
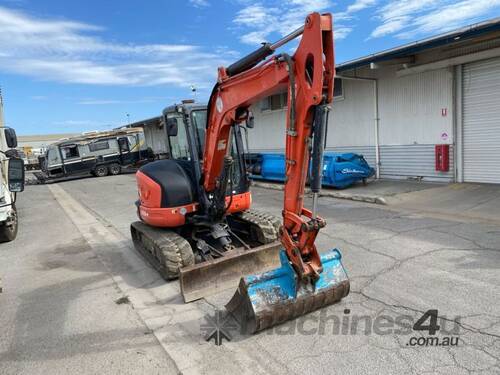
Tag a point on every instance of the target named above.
point(411, 18)
point(454, 15)
point(259, 22)
point(199, 3)
point(255, 15)
point(342, 32)
point(390, 26)
point(360, 5)
point(73, 52)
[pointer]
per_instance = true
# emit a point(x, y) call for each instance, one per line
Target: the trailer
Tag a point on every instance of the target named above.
point(96, 153)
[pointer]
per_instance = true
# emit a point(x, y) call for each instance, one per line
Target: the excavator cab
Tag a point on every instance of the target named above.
point(186, 127)
point(174, 235)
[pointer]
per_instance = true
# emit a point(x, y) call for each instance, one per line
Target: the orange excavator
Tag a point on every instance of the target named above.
point(195, 212)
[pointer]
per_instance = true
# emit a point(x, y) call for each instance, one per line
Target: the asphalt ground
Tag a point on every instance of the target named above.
point(73, 261)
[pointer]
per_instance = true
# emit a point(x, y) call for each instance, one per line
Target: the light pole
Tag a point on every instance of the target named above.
point(193, 90)
point(128, 118)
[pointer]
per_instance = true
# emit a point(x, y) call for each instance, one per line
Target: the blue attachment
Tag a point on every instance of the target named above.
point(279, 285)
point(276, 296)
point(339, 170)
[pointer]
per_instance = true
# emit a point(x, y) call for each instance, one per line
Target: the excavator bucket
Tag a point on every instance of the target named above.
point(273, 297)
point(213, 276)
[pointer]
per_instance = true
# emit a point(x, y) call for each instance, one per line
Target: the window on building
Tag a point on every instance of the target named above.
point(98, 146)
point(338, 89)
point(274, 102)
point(70, 151)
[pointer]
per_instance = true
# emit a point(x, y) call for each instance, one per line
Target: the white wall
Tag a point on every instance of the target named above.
point(351, 123)
point(352, 119)
point(268, 135)
point(411, 108)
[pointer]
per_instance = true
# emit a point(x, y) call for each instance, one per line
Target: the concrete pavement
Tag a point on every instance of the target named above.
point(375, 191)
point(58, 310)
point(401, 264)
point(468, 201)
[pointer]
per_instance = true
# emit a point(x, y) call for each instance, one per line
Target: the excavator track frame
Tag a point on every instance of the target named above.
point(163, 248)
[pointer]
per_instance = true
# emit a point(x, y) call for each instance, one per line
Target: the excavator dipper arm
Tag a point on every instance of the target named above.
point(308, 76)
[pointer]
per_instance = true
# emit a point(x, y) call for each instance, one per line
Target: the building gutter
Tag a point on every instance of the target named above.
point(375, 116)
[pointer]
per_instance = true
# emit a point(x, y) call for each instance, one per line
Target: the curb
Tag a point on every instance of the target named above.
point(327, 193)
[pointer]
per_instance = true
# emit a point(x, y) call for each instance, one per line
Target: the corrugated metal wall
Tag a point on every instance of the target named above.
point(416, 113)
point(481, 121)
point(367, 151)
point(403, 161)
point(411, 108)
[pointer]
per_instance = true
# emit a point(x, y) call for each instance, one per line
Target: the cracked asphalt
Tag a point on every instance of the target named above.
point(401, 263)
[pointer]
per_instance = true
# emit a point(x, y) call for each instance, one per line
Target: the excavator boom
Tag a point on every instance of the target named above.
point(305, 278)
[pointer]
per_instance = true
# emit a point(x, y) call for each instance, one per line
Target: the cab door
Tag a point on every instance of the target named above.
point(179, 145)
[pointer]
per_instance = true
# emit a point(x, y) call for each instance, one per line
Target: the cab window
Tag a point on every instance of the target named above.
point(179, 146)
point(199, 119)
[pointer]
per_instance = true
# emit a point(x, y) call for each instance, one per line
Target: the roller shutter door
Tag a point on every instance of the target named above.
point(481, 121)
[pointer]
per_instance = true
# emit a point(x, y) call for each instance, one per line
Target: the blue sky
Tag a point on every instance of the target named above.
point(71, 66)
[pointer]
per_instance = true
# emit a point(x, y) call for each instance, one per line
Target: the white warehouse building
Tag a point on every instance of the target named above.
point(395, 106)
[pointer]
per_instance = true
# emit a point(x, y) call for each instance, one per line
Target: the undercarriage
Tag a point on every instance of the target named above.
point(208, 258)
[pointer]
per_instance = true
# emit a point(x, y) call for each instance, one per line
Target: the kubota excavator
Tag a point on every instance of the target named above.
point(212, 237)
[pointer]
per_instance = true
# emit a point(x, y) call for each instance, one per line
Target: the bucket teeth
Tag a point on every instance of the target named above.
point(273, 297)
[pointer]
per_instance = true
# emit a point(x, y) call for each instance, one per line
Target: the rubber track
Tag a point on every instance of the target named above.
point(169, 251)
point(267, 223)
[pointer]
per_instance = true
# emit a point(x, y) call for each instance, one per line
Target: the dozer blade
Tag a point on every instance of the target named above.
point(212, 276)
point(273, 297)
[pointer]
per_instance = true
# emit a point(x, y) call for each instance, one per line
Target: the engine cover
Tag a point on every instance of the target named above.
point(165, 184)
